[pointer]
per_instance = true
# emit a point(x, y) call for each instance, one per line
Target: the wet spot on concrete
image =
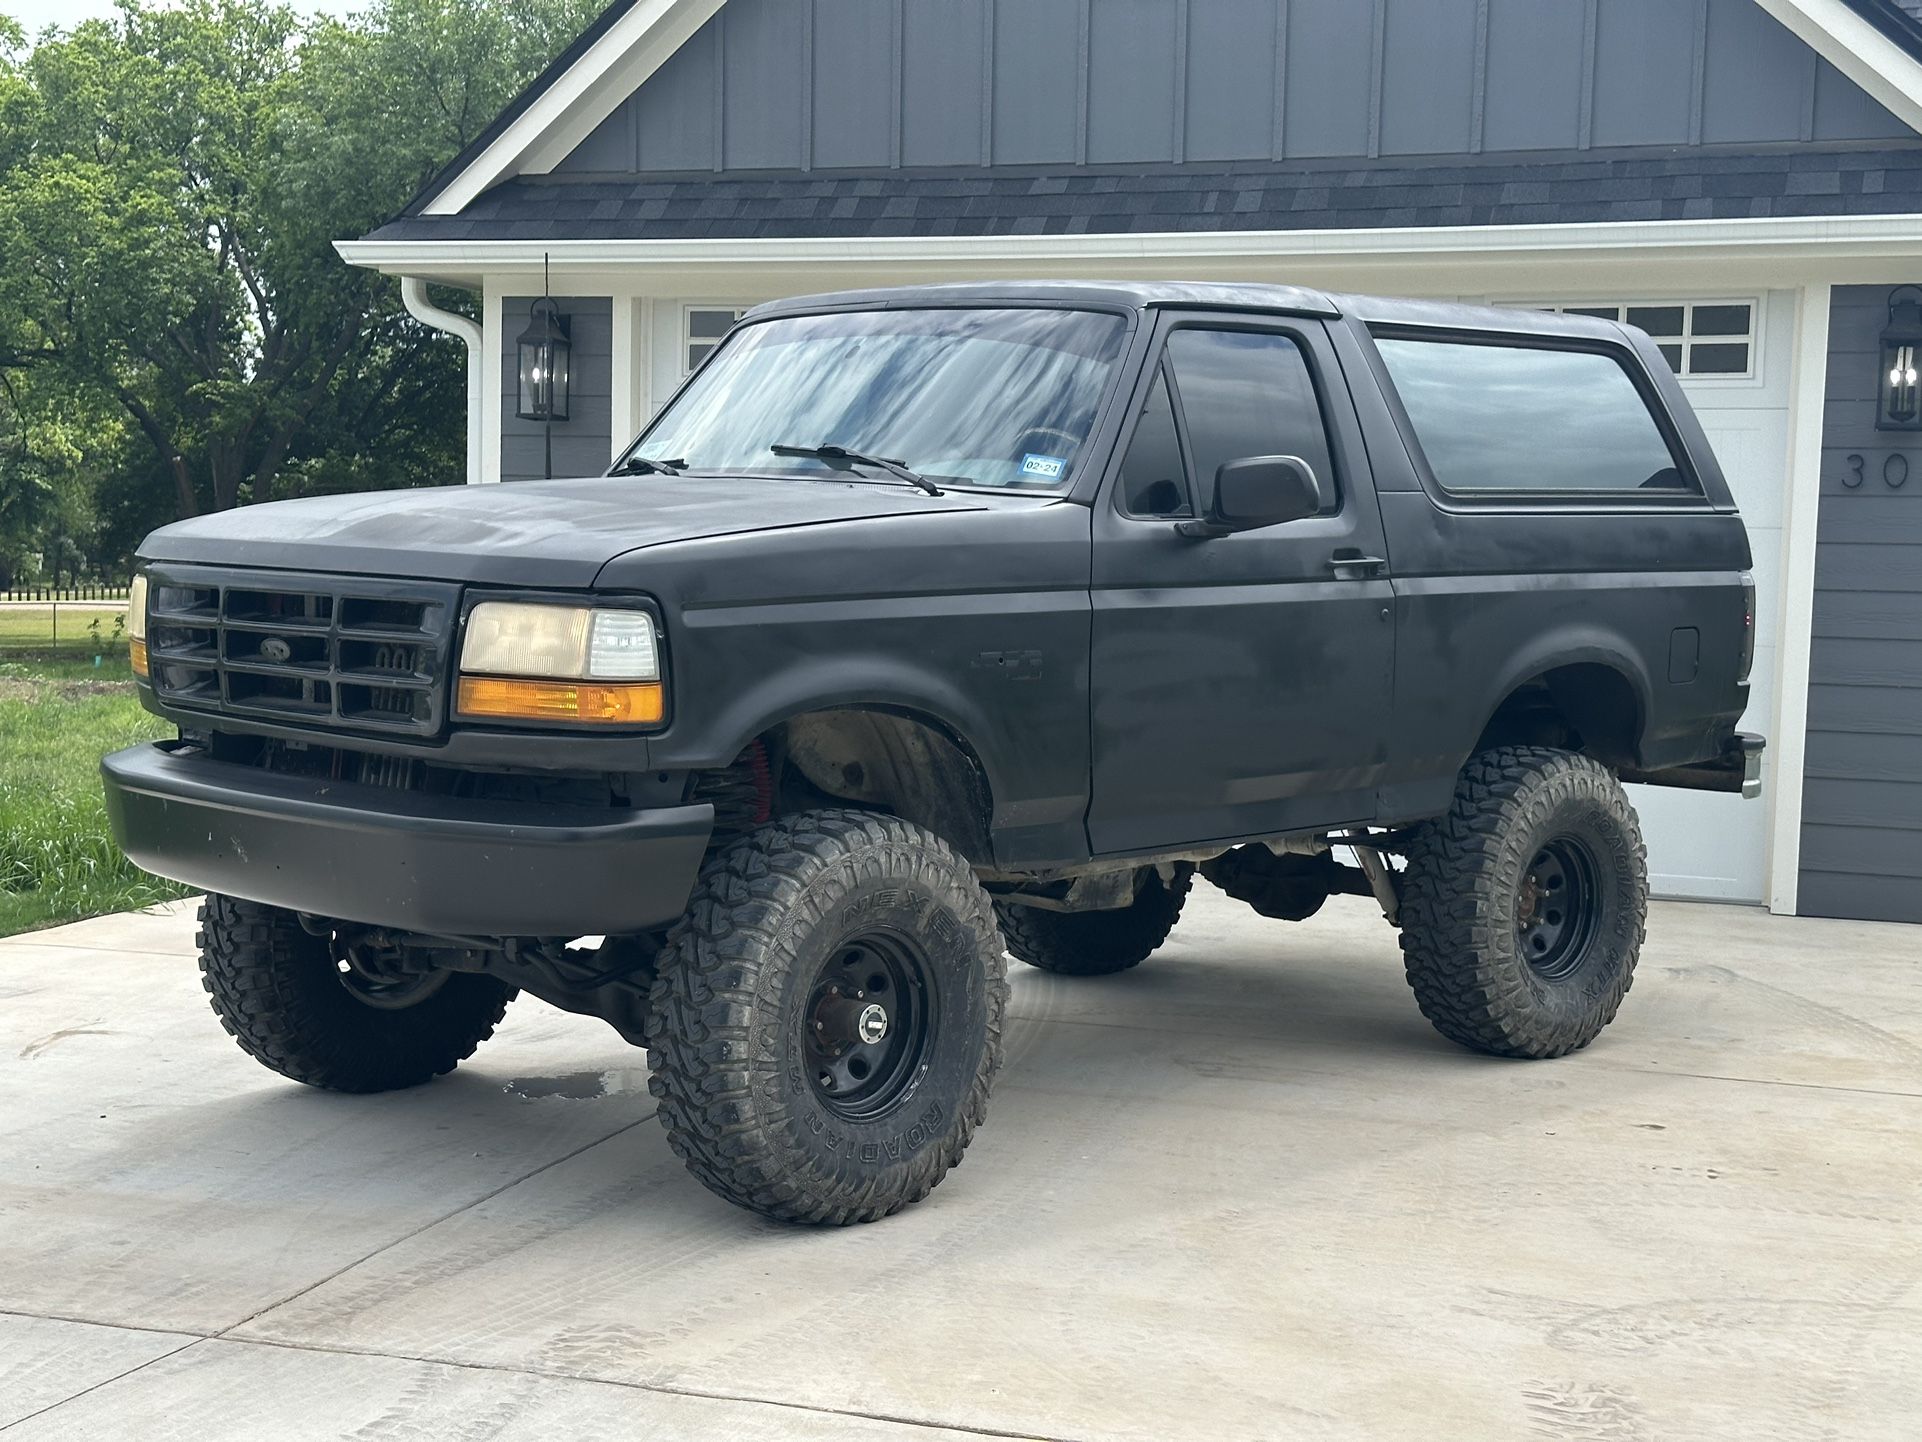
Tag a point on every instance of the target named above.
point(579, 1085)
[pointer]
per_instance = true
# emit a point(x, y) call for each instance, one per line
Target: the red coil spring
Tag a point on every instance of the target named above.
point(763, 781)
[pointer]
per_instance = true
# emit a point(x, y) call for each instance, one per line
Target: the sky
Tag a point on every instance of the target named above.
point(35, 15)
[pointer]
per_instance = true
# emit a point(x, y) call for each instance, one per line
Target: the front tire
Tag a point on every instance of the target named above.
point(1523, 909)
point(277, 991)
point(827, 1018)
point(1096, 943)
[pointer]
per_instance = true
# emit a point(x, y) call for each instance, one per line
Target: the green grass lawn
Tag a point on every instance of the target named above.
point(59, 713)
point(31, 630)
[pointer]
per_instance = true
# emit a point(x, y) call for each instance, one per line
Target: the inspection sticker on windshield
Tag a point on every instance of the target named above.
point(1047, 467)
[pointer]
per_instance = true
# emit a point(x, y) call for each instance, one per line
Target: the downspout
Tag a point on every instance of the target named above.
point(413, 295)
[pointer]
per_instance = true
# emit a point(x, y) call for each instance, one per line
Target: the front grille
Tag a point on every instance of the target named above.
point(353, 653)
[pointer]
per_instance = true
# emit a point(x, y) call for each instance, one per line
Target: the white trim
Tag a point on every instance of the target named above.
point(413, 295)
point(1860, 51)
point(580, 98)
point(493, 333)
point(1875, 236)
point(628, 375)
point(1808, 381)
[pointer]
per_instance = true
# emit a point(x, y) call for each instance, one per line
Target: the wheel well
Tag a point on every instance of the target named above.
point(906, 765)
point(1586, 707)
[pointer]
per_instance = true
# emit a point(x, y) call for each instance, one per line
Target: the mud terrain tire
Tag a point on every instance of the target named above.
point(276, 990)
point(827, 1017)
point(1523, 908)
point(1096, 943)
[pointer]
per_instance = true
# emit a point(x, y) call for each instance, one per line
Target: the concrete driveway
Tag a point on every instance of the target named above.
point(1241, 1192)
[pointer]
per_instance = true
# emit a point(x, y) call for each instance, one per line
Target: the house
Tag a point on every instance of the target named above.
point(1741, 178)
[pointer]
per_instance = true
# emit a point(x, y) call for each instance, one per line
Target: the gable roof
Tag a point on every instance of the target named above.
point(495, 187)
point(627, 43)
point(1580, 187)
point(1899, 20)
point(519, 105)
point(1876, 43)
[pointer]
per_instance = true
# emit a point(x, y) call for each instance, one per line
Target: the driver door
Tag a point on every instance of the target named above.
point(1240, 685)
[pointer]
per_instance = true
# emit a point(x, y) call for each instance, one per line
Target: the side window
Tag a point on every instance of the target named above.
point(1248, 393)
point(1527, 418)
point(1153, 482)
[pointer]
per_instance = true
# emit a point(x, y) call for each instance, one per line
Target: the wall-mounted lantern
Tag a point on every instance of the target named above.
point(544, 349)
point(1899, 387)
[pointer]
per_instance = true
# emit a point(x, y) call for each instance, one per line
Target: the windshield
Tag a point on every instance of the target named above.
point(999, 398)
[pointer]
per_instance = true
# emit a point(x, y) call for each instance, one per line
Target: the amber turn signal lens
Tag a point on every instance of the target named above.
point(612, 703)
point(137, 655)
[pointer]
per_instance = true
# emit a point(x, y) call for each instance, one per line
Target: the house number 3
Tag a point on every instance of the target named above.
point(1895, 470)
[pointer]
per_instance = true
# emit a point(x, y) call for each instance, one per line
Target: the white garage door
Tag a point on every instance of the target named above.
point(1703, 844)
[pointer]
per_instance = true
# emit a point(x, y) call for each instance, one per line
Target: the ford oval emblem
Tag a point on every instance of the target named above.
point(276, 650)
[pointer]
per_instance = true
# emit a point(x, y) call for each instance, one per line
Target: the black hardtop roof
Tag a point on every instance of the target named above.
point(1205, 295)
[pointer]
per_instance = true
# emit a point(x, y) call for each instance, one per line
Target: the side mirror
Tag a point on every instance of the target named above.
point(1257, 491)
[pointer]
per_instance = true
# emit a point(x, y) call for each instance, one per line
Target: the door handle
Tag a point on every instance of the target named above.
point(1349, 564)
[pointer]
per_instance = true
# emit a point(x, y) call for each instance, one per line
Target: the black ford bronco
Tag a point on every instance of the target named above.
point(924, 624)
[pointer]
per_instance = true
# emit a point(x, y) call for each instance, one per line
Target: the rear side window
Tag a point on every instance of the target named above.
point(1507, 418)
point(1248, 393)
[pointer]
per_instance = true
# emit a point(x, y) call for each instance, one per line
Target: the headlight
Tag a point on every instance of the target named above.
point(536, 662)
point(137, 624)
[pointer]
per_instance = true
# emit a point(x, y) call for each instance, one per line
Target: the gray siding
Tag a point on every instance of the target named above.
point(1862, 798)
point(837, 84)
point(583, 443)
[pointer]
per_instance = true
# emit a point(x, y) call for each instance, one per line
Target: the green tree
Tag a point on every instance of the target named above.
point(171, 185)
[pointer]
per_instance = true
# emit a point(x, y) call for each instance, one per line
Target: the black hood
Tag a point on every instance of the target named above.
point(535, 533)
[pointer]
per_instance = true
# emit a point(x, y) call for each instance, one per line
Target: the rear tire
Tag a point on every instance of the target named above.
point(1096, 943)
point(827, 1018)
point(276, 989)
point(1523, 908)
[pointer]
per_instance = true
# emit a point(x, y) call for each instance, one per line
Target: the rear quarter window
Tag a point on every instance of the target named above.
point(1506, 418)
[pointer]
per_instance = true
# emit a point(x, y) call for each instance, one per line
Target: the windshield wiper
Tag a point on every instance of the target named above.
point(642, 466)
point(842, 453)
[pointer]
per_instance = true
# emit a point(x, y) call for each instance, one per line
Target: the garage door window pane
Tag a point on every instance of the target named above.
point(1524, 418)
point(1720, 320)
point(1719, 359)
point(1660, 321)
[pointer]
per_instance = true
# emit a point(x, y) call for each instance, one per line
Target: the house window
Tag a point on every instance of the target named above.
point(1701, 339)
point(702, 327)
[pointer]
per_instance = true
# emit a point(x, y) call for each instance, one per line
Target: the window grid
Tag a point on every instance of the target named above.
point(1700, 339)
point(702, 327)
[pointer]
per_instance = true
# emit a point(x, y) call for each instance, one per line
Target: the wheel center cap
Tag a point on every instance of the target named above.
point(1527, 902)
point(872, 1024)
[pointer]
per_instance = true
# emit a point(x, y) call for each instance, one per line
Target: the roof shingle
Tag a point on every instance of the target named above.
point(1698, 184)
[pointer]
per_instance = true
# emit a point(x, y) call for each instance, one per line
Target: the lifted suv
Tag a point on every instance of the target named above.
point(930, 622)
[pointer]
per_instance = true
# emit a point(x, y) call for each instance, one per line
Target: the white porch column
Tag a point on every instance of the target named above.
point(632, 367)
point(491, 340)
point(1808, 384)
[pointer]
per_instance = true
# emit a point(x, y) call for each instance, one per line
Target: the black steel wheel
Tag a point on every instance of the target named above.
point(1556, 908)
point(868, 1023)
point(827, 1017)
point(1523, 908)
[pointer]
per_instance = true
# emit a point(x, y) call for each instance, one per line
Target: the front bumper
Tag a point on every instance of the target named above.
point(444, 865)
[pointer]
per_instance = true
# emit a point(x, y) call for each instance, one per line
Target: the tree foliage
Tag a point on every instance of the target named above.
point(177, 333)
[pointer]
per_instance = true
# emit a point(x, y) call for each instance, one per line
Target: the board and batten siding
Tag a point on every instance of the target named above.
point(582, 442)
point(1861, 850)
point(868, 84)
